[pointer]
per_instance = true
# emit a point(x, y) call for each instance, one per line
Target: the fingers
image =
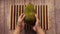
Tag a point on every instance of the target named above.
point(37, 24)
point(20, 21)
point(37, 20)
point(34, 28)
point(21, 15)
point(36, 16)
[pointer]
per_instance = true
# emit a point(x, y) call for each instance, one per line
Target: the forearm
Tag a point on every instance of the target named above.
point(40, 31)
point(17, 31)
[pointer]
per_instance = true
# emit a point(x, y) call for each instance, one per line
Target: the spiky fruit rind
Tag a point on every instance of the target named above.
point(30, 14)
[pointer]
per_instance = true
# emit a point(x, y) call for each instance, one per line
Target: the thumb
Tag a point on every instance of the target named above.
point(34, 28)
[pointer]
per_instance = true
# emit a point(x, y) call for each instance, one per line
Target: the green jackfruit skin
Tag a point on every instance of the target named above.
point(30, 15)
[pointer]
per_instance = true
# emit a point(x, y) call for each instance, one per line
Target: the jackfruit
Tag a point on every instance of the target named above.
point(30, 18)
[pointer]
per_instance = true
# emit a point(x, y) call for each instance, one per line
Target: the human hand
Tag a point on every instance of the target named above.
point(37, 27)
point(20, 23)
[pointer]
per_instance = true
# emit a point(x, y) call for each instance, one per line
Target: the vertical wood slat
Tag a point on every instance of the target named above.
point(15, 11)
point(16, 14)
point(22, 8)
point(40, 14)
point(19, 10)
point(47, 17)
point(12, 17)
point(44, 17)
point(41, 17)
point(39, 11)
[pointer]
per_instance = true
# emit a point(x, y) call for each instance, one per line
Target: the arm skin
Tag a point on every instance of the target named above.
point(37, 27)
point(20, 26)
point(40, 31)
point(17, 31)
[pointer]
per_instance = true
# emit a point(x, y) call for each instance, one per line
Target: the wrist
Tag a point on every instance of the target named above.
point(18, 28)
point(40, 31)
